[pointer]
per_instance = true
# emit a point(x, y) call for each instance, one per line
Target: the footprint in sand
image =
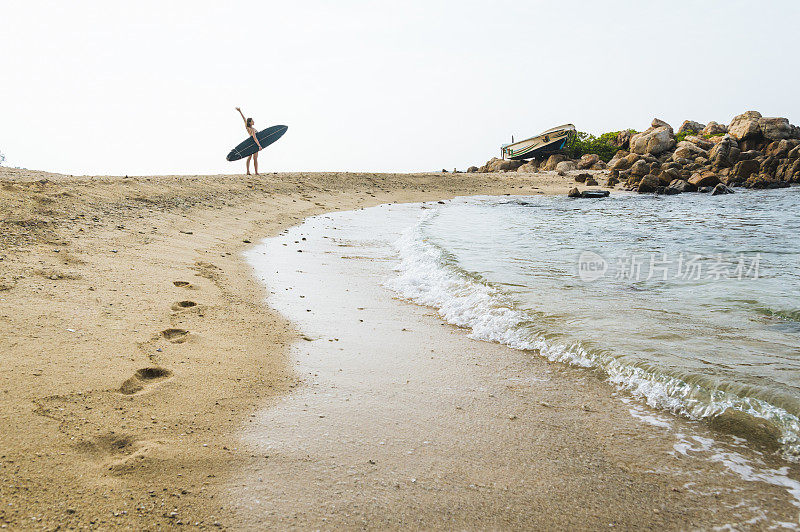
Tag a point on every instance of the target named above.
point(142, 378)
point(183, 305)
point(119, 452)
point(176, 336)
point(106, 445)
point(183, 284)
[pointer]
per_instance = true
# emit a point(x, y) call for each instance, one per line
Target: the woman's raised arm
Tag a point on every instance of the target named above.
point(241, 113)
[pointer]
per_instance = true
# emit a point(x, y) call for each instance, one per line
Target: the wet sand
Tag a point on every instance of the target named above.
point(401, 421)
point(137, 345)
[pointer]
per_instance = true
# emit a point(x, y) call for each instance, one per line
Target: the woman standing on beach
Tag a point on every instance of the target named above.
point(248, 125)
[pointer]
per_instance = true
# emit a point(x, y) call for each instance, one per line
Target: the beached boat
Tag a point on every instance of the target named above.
point(544, 143)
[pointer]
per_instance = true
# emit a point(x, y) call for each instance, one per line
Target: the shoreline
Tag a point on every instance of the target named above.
point(94, 437)
point(396, 405)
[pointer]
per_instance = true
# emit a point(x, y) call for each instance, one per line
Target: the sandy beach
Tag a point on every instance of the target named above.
point(141, 362)
point(105, 277)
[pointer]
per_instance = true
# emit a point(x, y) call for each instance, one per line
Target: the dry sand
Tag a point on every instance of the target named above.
point(135, 345)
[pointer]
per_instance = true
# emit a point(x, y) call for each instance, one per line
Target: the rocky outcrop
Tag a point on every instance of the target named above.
point(472, 169)
point(691, 125)
point(657, 139)
point(588, 160)
point(753, 151)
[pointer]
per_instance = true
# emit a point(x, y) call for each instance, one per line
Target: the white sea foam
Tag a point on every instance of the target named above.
point(427, 275)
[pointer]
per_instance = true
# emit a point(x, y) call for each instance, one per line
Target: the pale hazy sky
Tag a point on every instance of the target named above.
point(149, 87)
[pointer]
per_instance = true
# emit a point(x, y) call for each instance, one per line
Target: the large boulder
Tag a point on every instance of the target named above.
point(485, 167)
point(700, 142)
point(669, 175)
point(653, 141)
point(691, 125)
point(713, 128)
point(742, 171)
point(745, 126)
point(472, 169)
point(552, 161)
point(529, 167)
point(765, 181)
point(623, 163)
point(725, 153)
point(649, 183)
point(657, 123)
point(775, 128)
point(721, 189)
point(595, 193)
point(504, 165)
point(752, 154)
point(623, 139)
point(566, 166)
point(704, 179)
point(779, 148)
point(640, 168)
point(588, 160)
point(679, 186)
point(789, 170)
point(689, 150)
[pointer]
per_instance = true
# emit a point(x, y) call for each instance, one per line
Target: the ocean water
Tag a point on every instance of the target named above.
point(689, 303)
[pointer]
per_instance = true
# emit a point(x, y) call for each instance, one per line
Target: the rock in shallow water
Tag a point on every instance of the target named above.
point(721, 189)
point(595, 194)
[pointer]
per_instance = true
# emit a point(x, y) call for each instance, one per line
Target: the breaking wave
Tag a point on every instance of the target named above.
point(429, 275)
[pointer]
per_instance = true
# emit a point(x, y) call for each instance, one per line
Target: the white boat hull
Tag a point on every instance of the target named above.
point(544, 143)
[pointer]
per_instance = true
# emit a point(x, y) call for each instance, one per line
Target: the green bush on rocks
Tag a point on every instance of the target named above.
point(582, 143)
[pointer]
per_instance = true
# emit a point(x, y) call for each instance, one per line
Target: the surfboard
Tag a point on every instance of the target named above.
point(249, 147)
